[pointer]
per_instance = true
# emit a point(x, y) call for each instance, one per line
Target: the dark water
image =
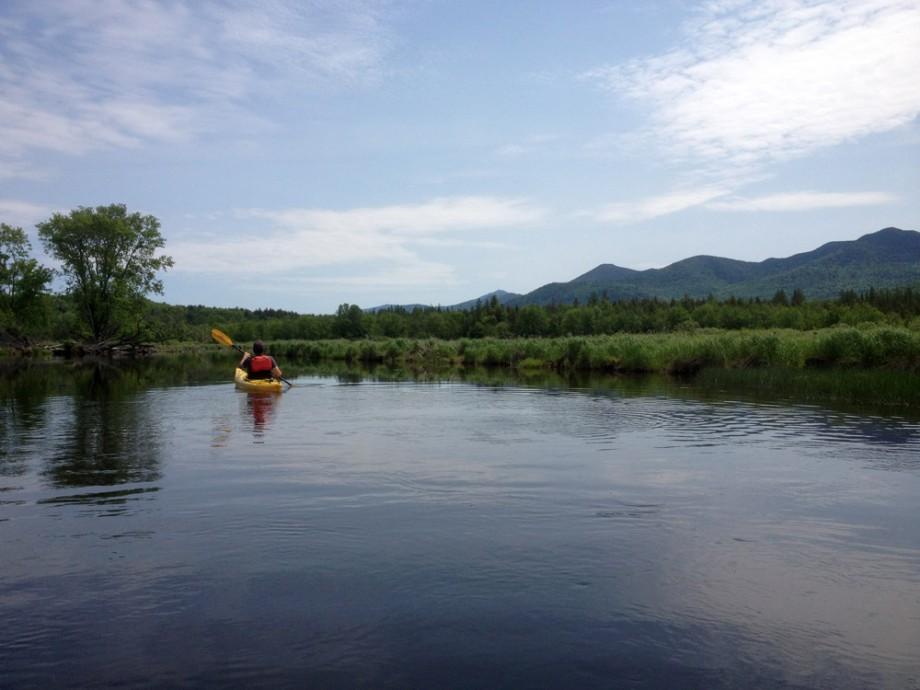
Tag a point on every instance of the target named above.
point(159, 528)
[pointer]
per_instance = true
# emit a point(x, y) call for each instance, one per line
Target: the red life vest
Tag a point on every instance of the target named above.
point(260, 366)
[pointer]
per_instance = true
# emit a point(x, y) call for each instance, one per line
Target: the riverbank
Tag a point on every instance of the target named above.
point(672, 353)
point(678, 353)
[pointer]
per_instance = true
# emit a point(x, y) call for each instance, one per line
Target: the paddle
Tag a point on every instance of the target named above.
point(225, 339)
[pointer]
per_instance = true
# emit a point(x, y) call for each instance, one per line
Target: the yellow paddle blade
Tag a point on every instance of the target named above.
point(221, 337)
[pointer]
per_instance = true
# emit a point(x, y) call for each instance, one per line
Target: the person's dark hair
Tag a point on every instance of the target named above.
point(258, 347)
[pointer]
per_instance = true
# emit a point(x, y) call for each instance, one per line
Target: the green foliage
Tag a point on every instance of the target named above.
point(349, 322)
point(530, 327)
point(675, 353)
point(492, 320)
point(109, 259)
point(22, 284)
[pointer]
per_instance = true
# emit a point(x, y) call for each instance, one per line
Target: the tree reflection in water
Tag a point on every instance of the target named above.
point(24, 393)
point(83, 422)
point(108, 438)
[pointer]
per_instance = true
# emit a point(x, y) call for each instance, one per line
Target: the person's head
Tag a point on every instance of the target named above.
point(258, 347)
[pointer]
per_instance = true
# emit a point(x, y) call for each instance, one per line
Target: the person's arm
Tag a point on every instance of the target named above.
point(242, 364)
point(276, 371)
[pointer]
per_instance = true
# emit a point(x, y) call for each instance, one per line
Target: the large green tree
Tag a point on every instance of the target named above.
point(349, 322)
point(110, 260)
point(22, 283)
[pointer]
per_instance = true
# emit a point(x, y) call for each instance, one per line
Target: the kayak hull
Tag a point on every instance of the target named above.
point(243, 382)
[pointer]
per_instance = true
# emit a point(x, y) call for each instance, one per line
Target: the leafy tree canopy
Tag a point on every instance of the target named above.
point(22, 282)
point(109, 259)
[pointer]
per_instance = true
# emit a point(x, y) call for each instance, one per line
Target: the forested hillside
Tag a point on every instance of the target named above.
point(885, 259)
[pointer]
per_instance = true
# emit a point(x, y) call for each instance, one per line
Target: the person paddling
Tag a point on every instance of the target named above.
point(259, 365)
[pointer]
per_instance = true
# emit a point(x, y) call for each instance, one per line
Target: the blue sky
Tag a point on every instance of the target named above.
point(300, 155)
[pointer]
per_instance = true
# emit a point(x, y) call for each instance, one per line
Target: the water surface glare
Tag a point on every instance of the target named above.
point(452, 534)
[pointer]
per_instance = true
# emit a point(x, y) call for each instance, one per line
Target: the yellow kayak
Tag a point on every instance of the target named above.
point(263, 385)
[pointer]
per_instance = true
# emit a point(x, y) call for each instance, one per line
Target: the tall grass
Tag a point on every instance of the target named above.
point(676, 353)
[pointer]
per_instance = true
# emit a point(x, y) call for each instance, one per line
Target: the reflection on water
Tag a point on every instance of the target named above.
point(101, 434)
point(161, 528)
point(261, 407)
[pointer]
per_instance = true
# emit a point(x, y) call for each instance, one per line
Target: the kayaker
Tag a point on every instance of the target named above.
point(259, 365)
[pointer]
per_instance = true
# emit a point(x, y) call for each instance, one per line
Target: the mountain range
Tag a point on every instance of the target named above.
point(884, 259)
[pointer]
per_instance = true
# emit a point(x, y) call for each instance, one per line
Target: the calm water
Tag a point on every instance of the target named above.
point(157, 527)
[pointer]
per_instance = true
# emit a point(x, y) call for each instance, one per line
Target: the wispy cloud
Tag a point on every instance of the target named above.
point(411, 276)
point(721, 199)
point(654, 206)
point(802, 201)
point(765, 80)
point(22, 213)
point(12, 167)
point(526, 146)
point(388, 237)
point(414, 274)
point(87, 74)
point(454, 243)
point(438, 215)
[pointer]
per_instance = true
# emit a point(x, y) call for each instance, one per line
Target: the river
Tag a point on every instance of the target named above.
point(159, 528)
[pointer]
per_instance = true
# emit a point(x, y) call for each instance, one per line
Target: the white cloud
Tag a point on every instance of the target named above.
point(718, 199)
point(11, 168)
point(387, 236)
point(655, 206)
point(526, 146)
point(451, 243)
point(442, 214)
point(22, 213)
point(88, 74)
point(401, 275)
point(763, 80)
point(511, 150)
point(802, 201)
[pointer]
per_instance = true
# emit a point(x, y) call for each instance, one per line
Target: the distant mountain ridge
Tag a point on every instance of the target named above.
point(884, 259)
point(502, 296)
point(887, 258)
point(404, 307)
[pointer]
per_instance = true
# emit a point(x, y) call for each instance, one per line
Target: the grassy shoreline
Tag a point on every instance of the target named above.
point(878, 347)
point(889, 348)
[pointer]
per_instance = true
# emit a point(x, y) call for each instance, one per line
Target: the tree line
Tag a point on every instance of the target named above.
point(599, 316)
point(110, 259)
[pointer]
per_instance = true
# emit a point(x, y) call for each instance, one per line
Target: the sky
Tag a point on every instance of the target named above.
point(302, 155)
